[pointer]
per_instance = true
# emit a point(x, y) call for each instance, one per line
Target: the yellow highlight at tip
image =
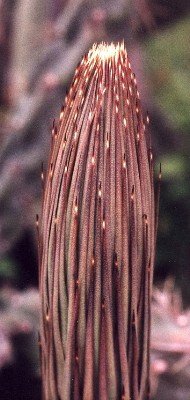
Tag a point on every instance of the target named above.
point(105, 51)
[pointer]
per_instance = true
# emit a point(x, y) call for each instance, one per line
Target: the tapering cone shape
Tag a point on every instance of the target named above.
point(97, 238)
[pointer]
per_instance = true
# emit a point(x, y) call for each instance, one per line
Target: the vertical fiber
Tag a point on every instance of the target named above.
point(97, 238)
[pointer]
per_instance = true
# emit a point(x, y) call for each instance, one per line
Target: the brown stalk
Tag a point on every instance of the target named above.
point(97, 238)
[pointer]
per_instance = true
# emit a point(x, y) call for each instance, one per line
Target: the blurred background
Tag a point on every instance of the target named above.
point(41, 42)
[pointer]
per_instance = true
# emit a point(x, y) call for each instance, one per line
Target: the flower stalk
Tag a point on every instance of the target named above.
point(97, 238)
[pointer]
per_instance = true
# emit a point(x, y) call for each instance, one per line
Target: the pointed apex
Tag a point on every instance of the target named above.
point(104, 51)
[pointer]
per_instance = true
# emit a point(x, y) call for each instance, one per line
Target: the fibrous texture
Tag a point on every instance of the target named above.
point(97, 238)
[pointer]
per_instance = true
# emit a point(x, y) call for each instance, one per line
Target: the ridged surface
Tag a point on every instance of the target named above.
point(97, 238)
